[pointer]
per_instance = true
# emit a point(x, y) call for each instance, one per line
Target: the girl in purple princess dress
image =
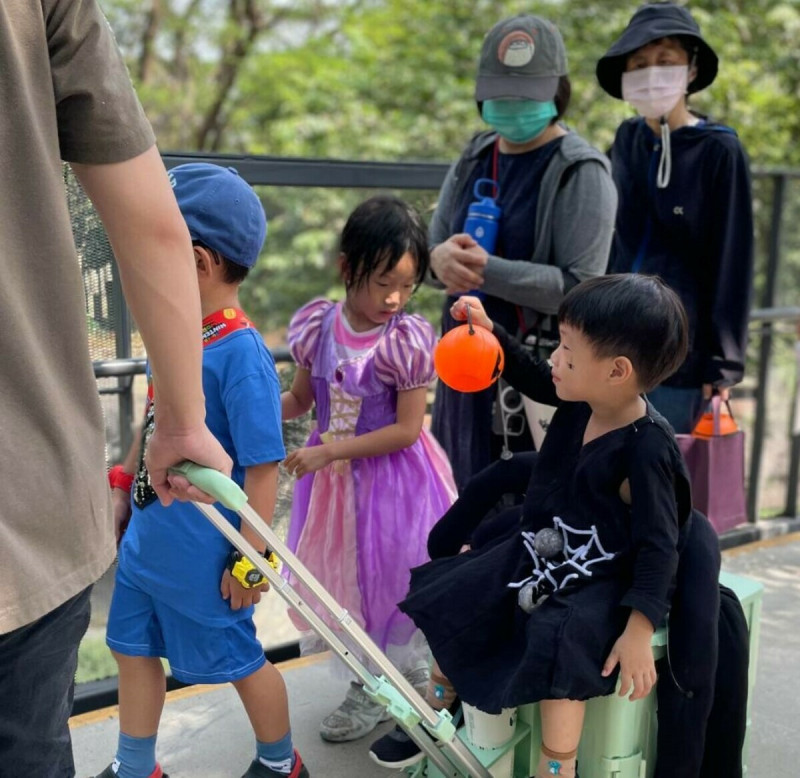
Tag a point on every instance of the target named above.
point(371, 481)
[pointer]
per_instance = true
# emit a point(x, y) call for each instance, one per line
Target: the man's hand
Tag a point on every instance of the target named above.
point(633, 653)
point(477, 313)
point(459, 263)
point(237, 595)
point(307, 460)
point(171, 447)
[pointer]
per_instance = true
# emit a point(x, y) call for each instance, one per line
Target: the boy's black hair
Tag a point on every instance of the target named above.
point(233, 273)
point(377, 235)
point(632, 315)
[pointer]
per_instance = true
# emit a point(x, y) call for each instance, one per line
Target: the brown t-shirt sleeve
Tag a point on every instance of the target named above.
point(100, 119)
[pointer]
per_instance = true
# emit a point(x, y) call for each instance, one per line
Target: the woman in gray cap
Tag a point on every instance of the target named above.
point(685, 203)
point(557, 203)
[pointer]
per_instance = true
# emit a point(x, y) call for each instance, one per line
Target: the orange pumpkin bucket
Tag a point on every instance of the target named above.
point(705, 425)
point(468, 358)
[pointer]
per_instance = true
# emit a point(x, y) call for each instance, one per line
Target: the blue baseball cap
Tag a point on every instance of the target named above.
point(221, 210)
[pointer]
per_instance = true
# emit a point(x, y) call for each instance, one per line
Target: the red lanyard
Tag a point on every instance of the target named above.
point(224, 322)
point(215, 327)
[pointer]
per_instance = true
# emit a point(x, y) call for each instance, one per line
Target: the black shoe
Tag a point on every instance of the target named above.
point(258, 769)
point(397, 750)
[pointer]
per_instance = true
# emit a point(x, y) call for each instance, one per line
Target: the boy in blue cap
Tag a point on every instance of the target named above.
point(181, 591)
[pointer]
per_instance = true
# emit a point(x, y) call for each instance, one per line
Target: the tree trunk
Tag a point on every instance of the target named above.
point(148, 38)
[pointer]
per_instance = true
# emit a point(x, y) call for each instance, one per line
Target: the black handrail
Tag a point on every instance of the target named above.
point(765, 317)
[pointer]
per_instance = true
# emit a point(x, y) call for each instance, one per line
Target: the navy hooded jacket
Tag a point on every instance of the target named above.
point(697, 234)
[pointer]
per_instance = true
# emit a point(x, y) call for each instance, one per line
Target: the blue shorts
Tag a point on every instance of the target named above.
point(140, 625)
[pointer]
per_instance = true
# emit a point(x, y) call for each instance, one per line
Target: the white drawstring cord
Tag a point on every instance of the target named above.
point(665, 163)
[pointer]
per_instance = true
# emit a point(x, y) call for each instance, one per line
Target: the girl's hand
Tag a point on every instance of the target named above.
point(458, 310)
point(307, 460)
point(634, 655)
point(238, 596)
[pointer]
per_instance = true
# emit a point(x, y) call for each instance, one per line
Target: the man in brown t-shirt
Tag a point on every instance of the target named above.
point(66, 95)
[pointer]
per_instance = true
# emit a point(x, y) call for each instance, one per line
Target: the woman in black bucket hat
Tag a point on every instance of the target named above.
point(685, 202)
point(685, 213)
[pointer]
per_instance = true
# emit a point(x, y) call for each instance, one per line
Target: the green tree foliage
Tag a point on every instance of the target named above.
point(393, 80)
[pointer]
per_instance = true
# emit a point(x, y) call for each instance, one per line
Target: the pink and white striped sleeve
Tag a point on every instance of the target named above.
point(404, 357)
point(304, 331)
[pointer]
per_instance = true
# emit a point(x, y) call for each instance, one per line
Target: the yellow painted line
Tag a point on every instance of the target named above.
point(95, 716)
point(778, 540)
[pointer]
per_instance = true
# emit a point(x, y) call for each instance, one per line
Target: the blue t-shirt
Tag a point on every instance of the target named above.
point(175, 554)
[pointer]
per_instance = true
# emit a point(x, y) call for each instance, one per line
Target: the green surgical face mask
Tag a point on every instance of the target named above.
point(518, 121)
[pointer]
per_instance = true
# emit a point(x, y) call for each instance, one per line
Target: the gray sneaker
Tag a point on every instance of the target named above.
point(357, 716)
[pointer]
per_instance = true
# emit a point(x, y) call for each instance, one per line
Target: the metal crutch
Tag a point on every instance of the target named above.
point(390, 689)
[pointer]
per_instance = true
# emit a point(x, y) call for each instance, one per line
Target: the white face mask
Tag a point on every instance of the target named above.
point(655, 91)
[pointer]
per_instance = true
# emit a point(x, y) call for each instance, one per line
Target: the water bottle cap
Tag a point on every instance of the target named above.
point(495, 189)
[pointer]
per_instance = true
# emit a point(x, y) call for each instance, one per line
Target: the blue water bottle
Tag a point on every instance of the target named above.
point(483, 218)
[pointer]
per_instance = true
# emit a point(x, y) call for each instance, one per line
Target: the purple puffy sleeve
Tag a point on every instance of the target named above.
point(404, 357)
point(304, 331)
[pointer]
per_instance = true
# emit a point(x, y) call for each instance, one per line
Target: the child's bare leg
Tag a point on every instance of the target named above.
point(263, 694)
point(440, 693)
point(562, 722)
point(142, 687)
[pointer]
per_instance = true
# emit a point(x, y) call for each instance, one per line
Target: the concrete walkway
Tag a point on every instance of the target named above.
point(205, 733)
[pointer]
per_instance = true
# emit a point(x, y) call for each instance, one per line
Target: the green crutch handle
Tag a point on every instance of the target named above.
point(213, 482)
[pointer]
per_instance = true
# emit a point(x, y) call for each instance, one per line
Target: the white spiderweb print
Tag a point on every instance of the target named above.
point(559, 556)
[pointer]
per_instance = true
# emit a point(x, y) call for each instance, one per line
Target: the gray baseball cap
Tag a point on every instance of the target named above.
point(523, 56)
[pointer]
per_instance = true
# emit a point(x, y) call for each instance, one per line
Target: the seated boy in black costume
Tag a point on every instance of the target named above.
point(568, 589)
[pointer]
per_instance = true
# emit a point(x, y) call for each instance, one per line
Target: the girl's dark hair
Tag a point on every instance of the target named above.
point(632, 315)
point(233, 273)
point(377, 235)
point(562, 97)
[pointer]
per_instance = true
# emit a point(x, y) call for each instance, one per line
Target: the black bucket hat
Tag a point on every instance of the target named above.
point(650, 23)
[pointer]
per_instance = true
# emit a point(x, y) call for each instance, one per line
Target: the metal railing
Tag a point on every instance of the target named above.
point(299, 172)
